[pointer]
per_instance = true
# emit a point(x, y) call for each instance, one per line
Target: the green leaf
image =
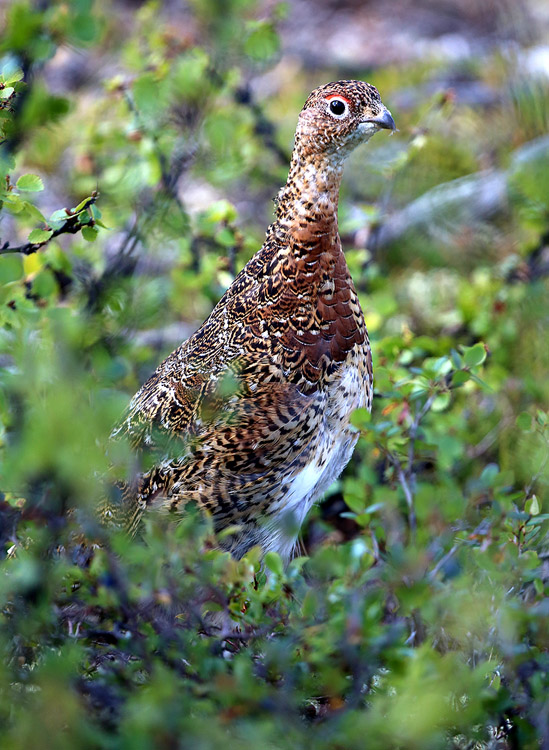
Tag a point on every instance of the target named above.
point(460, 377)
point(229, 530)
point(149, 95)
point(81, 206)
point(489, 475)
point(220, 211)
point(14, 203)
point(30, 182)
point(225, 237)
point(532, 506)
point(355, 503)
point(274, 562)
point(474, 355)
point(85, 28)
point(456, 359)
point(11, 268)
point(40, 235)
point(263, 42)
point(524, 421)
point(6, 92)
point(57, 259)
point(58, 218)
point(361, 418)
point(44, 284)
point(189, 77)
point(310, 604)
point(481, 382)
point(31, 212)
point(12, 76)
point(90, 233)
point(441, 402)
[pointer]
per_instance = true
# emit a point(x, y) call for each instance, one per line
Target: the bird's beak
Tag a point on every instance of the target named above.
point(383, 120)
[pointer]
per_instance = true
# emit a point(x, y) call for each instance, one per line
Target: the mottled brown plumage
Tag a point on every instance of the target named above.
point(249, 418)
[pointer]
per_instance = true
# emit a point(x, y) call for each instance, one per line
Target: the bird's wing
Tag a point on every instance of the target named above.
point(250, 445)
point(235, 450)
point(221, 361)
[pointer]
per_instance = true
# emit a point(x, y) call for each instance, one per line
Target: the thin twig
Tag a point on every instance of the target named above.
point(406, 477)
point(475, 451)
point(17, 101)
point(264, 128)
point(408, 494)
point(170, 174)
point(443, 560)
point(530, 486)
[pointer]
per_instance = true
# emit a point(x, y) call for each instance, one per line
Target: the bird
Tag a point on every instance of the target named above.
point(249, 419)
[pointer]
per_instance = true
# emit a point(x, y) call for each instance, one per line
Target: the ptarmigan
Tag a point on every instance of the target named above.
point(249, 418)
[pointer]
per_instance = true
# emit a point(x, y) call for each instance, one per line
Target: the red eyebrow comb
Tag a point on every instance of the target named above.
point(337, 96)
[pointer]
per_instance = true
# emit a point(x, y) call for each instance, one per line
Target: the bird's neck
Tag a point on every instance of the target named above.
point(313, 300)
point(309, 199)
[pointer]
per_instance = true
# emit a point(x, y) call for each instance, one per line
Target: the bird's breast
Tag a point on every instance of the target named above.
point(330, 448)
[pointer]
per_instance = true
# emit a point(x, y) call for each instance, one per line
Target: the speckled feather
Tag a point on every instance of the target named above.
point(249, 418)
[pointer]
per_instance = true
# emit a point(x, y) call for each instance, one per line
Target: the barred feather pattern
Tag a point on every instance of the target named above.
point(250, 417)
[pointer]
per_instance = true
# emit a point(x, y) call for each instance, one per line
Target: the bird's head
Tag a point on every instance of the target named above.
point(339, 116)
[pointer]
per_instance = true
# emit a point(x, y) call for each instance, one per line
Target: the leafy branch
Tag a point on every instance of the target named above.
point(83, 219)
point(395, 438)
point(406, 474)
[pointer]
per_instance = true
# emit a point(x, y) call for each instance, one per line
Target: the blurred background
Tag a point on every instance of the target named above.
point(418, 620)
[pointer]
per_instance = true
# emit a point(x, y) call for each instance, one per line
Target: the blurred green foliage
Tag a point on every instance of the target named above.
point(419, 618)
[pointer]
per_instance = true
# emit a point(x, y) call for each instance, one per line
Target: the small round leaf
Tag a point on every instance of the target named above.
point(474, 355)
point(40, 235)
point(30, 182)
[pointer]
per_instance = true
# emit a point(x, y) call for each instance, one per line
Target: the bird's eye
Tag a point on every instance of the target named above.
point(338, 107)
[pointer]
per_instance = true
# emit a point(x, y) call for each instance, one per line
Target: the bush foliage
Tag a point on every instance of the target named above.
point(417, 614)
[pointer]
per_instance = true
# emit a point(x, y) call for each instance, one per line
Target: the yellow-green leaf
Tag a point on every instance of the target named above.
point(30, 182)
point(532, 506)
point(274, 562)
point(40, 235)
